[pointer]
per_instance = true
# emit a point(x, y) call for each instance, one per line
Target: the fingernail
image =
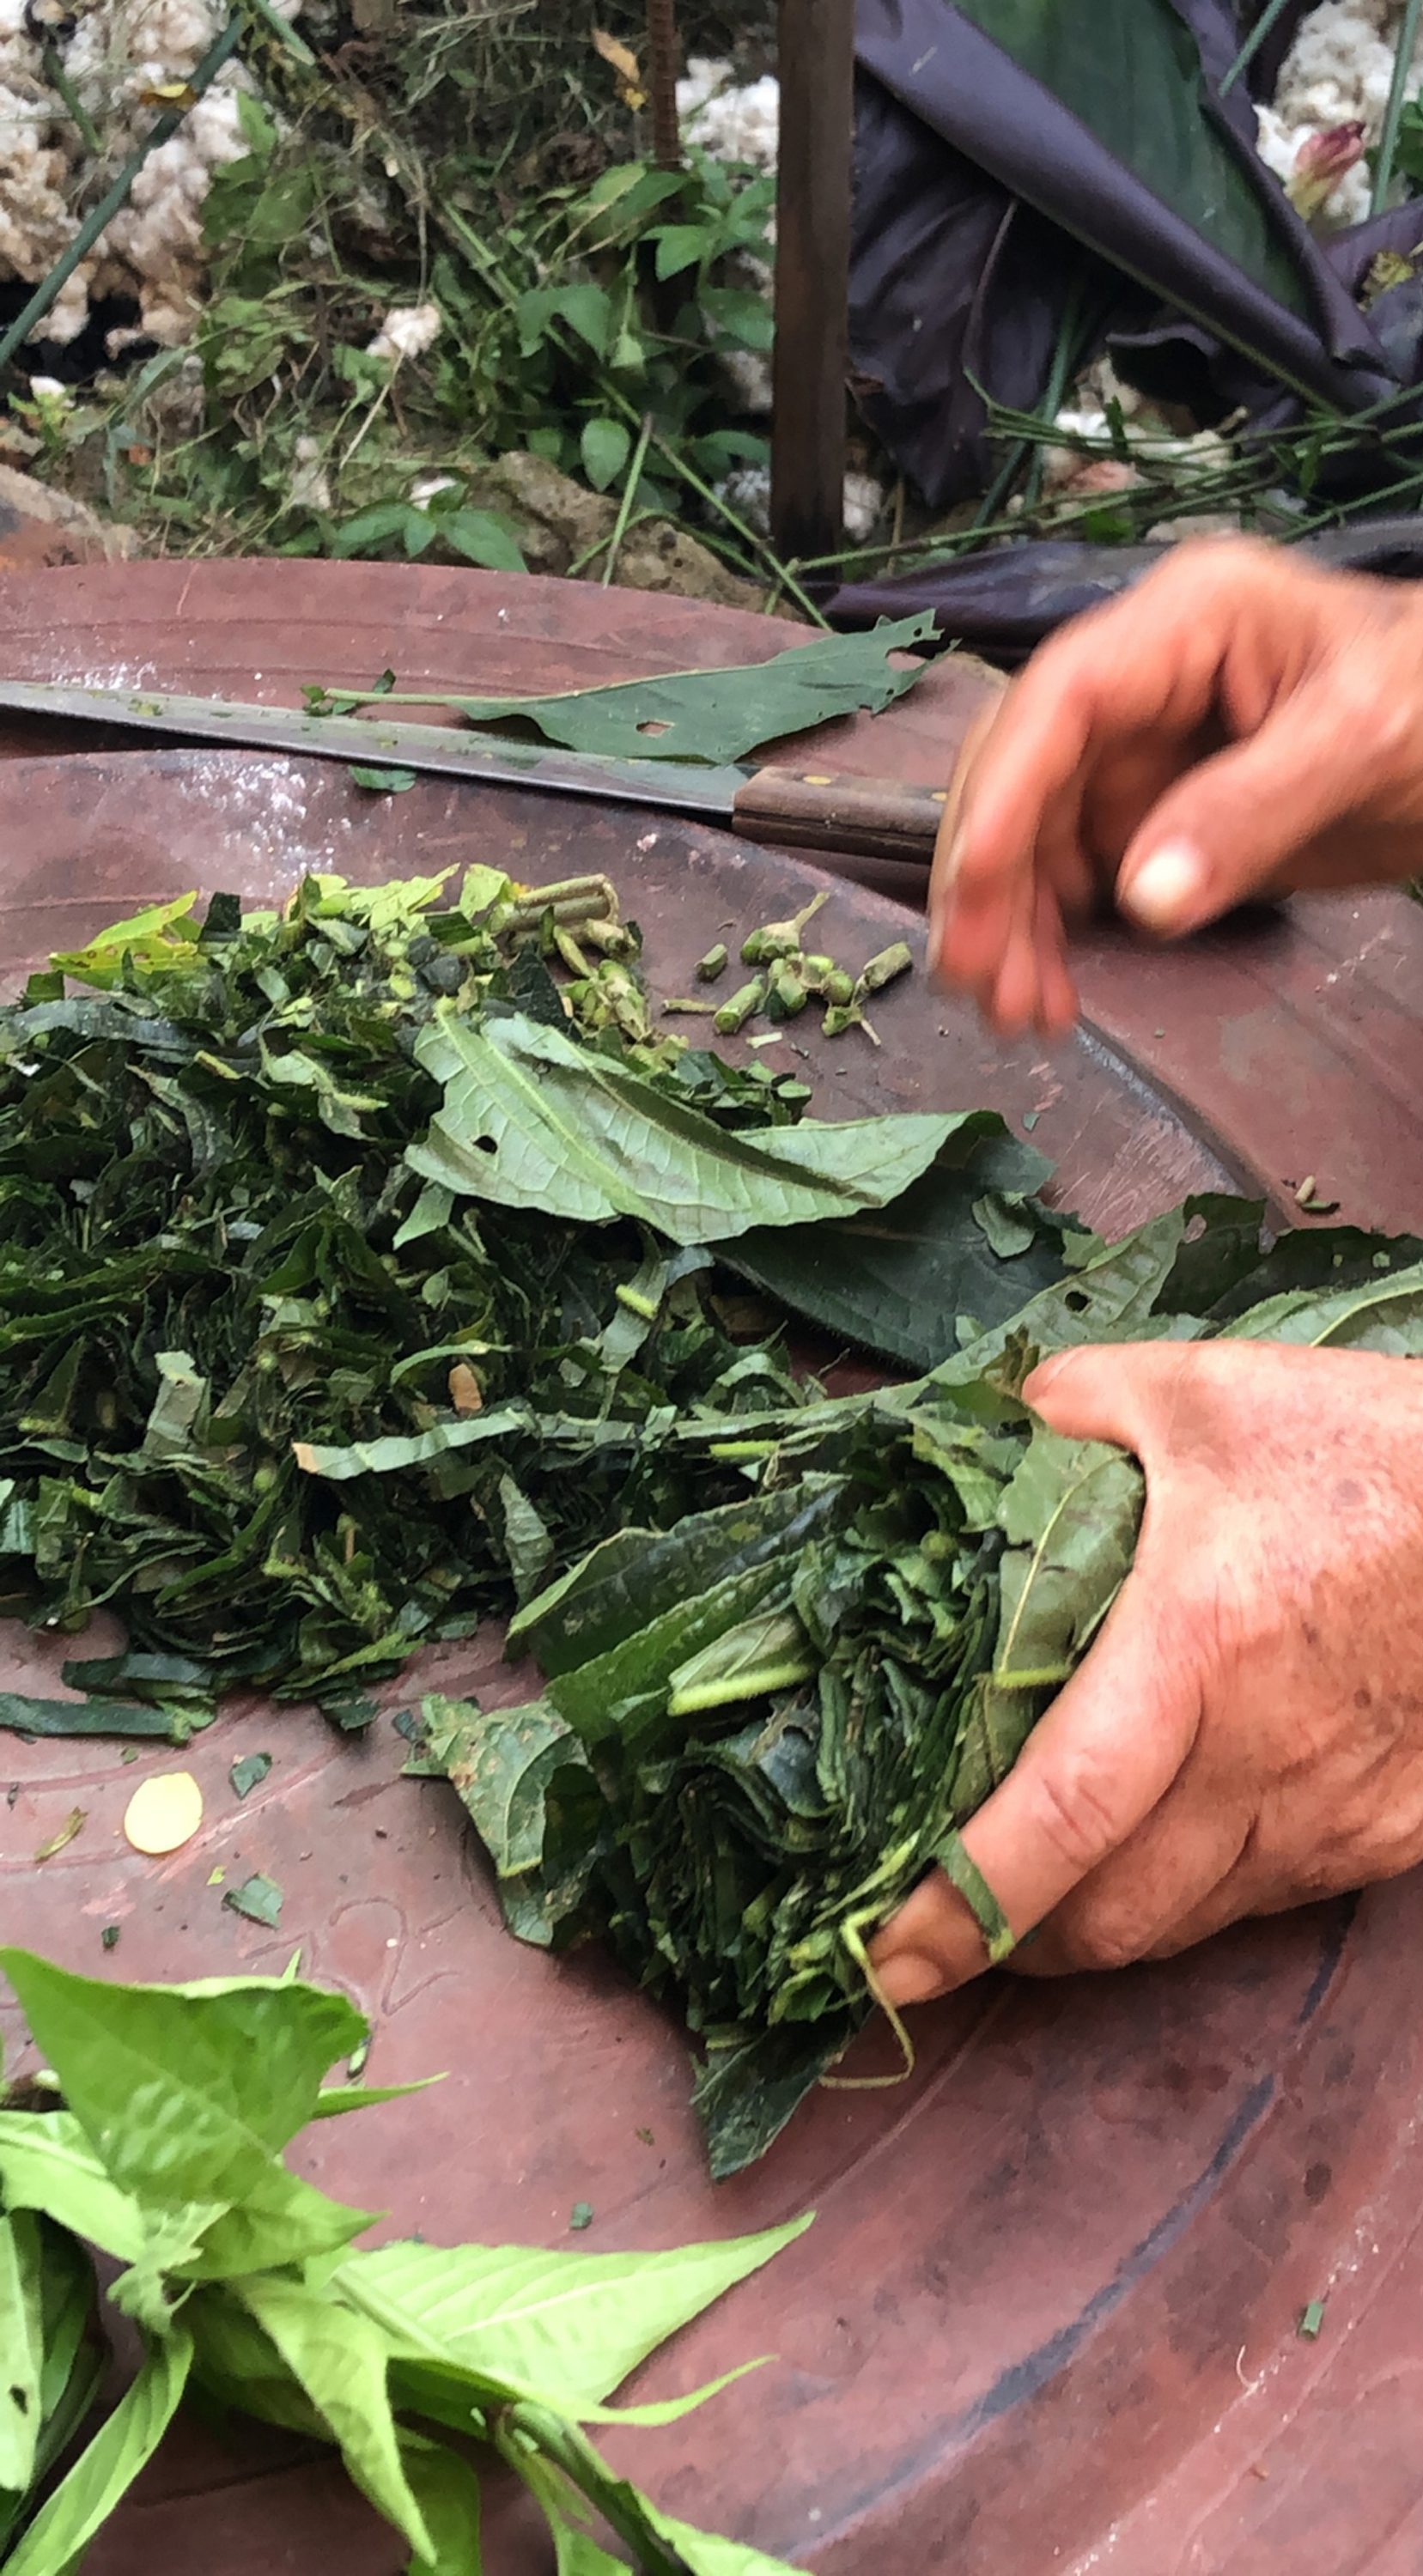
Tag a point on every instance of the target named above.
point(1166, 887)
point(909, 1978)
point(934, 948)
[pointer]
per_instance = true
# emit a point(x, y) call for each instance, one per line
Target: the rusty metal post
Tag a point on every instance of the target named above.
point(817, 71)
point(662, 65)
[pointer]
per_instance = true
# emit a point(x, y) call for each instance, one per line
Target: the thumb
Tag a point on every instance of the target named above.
point(1229, 828)
point(1094, 1767)
point(1117, 1391)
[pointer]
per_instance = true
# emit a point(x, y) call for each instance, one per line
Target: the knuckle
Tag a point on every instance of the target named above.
point(1104, 1936)
point(1074, 1809)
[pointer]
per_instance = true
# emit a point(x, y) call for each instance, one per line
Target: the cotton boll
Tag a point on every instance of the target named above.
point(733, 123)
point(309, 488)
point(1339, 68)
point(121, 51)
point(748, 493)
point(864, 501)
point(407, 332)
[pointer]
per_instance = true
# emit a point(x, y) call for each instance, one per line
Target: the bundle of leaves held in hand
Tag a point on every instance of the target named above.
point(759, 1728)
point(160, 2143)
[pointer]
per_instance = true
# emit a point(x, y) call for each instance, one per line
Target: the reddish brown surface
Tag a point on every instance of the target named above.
point(1046, 2317)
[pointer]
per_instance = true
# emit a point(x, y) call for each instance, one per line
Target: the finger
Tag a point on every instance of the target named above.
point(1121, 1391)
point(1100, 1760)
point(941, 874)
point(1230, 826)
point(1057, 994)
point(1143, 1902)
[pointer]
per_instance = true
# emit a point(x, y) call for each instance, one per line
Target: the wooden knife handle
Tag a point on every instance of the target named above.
point(814, 809)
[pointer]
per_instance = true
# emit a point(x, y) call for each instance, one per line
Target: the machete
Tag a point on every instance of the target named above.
point(807, 808)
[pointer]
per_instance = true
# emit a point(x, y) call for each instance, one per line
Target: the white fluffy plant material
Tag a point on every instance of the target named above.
point(1336, 73)
point(122, 56)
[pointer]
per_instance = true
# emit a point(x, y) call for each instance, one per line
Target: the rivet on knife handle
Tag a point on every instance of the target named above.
point(813, 809)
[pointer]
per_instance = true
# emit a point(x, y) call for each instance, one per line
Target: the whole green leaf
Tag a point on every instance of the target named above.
point(21, 2346)
point(708, 715)
point(103, 2474)
point(897, 1280)
point(605, 446)
point(47, 2164)
point(447, 2491)
point(339, 2359)
point(532, 1120)
point(1385, 1315)
point(571, 2325)
point(1071, 1514)
point(185, 2092)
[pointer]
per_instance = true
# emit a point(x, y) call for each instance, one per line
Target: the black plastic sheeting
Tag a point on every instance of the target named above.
point(1003, 602)
point(982, 205)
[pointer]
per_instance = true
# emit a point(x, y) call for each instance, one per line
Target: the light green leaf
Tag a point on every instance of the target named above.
point(706, 715)
point(48, 2165)
point(483, 537)
point(339, 2098)
point(570, 2325)
point(236, 2363)
point(707, 2555)
point(530, 1119)
point(186, 2092)
point(21, 2347)
point(447, 2491)
point(103, 2474)
point(575, 2551)
point(339, 2359)
point(606, 446)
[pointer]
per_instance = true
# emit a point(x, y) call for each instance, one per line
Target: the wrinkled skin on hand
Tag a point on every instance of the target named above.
point(1247, 1732)
point(1241, 724)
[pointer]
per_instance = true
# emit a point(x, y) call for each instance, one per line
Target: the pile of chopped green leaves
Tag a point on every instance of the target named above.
point(759, 1728)
point(332, 1240)
point(159, 2142)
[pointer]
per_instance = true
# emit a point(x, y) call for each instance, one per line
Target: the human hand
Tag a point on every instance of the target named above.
point(1240, 724)
point(1246, 1734)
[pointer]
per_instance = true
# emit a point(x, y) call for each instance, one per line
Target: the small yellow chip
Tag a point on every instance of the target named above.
point(164, 1813)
